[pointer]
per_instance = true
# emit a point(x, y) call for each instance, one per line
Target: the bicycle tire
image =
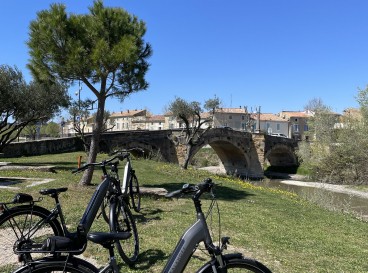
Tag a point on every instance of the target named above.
point(134, 192)
point(237, 265)
point(16, 231)
point(58, 264)
point(121, 220)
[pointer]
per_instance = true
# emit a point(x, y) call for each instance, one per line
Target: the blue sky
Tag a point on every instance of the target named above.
point(277, 54)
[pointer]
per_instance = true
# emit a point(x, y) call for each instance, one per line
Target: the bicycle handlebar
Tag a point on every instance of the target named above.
point(120, 156)
point(205, 186)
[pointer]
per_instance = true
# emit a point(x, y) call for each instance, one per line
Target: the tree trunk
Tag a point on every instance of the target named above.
point(188, 155)
point(87, 176)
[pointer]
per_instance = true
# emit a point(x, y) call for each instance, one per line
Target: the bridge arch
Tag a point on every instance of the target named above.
point(231, 150)
point(281, 155)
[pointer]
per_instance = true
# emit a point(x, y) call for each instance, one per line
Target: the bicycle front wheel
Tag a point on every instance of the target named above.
point(121, 220)
point(58, 264)
point(134, 192)
point(23, 228)
point(238, 265)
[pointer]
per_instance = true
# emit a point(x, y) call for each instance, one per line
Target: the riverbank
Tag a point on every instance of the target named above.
point(300, 180)
point(331, 187)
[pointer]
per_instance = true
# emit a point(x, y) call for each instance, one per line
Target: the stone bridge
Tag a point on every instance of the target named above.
point(241, 153)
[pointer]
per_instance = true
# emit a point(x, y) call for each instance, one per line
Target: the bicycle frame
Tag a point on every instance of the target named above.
point(187, 244)
point(126, 177)
point(84, 224)
point(93, 206)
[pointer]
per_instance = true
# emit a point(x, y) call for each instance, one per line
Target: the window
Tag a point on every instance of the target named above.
point(278, 126)
point(230, 117)
point(306, 127)
point(117, 126)
point(296, 127)
point(243, 117)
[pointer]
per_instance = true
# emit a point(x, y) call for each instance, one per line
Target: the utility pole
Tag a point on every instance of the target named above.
point(258, 130)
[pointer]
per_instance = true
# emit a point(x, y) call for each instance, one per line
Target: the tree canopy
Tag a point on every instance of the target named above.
point(193, 118)
point(23, 104)
point(104, 49)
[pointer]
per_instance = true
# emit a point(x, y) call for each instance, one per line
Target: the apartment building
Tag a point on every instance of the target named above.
point(298, 123)
point(268, 123)
point(235, 118)
point(155, 122)
point(126, 120)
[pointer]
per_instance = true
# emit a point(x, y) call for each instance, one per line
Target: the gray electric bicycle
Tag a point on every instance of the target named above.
point(195, 234)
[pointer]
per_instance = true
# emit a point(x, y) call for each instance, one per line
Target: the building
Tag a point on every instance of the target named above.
point(298, 123)
point(270, 124)
point(126, 120)
point(155, 122)
point(235, 118)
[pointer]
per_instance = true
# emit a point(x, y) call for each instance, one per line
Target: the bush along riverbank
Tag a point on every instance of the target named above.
point(282, 230)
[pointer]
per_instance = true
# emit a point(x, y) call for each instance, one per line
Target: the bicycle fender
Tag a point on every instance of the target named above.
point(56, 260)
point(213, 261)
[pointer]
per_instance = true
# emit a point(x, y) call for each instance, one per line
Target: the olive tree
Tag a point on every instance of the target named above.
point(192, 117)
point(103, 49)
point(24, 104)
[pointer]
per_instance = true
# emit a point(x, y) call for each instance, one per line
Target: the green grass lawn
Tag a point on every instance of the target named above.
point(278, 228)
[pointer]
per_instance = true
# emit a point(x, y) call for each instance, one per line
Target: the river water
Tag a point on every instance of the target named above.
point(333, 197)
point(337, 197)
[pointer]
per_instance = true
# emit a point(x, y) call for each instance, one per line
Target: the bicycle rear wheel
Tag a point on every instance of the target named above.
point(238, 265)
point(58, 264)
point(121, 220)
point(134, 192)
point(23, 228)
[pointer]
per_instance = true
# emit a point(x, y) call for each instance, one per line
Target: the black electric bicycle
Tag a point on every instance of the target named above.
point(24, 225)
point(198, 232)
point(129, 185)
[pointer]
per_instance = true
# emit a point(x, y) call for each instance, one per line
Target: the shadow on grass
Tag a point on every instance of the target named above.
point(148, 258)
point(221, 191)
point(11, 181)
point(148, 215)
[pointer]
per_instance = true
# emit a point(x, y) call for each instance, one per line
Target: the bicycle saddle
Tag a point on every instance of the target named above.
point(106, 239)
point(52, 191)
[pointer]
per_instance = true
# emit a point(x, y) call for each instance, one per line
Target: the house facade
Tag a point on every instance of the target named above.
point(155, 122)
point(298, 123)
point(126, 120)
point(270, 124)
point(235, 118)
